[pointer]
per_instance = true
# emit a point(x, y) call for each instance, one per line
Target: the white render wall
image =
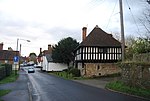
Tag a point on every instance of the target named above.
point(56, 66)
point(51, 66)
point(44, 63)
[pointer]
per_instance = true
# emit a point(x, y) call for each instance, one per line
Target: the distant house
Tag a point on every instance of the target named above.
point(33, 58)
point(7, 56)
point(97, 52)
point(47, 61)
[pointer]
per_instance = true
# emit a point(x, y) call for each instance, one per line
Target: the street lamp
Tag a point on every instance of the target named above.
point(20, 47)
point(21, 39)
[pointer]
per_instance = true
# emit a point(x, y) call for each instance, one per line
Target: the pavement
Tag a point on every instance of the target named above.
point(19, 89)
point(99, 82)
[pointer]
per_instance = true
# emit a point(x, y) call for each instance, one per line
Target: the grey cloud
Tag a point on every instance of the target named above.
point(60, 32)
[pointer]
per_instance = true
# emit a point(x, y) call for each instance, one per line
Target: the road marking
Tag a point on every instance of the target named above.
point(30, 91)
point(34, 85)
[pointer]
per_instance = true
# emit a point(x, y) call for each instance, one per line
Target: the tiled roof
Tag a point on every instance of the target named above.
point(98, 37)
point(8, 55)
point(49, 57)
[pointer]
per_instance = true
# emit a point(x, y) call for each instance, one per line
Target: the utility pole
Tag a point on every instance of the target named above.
point(122, 30)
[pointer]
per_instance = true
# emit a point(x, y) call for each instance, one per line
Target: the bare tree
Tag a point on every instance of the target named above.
point(145, 21)
point(130, 40)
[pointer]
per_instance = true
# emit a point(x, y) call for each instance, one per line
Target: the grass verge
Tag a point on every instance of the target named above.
point(62, 74)
point(10, 78)
point(67, 75)
point(121, 87)
point(4, 92)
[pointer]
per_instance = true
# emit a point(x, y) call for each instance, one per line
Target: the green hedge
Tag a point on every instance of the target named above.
point(75, 72)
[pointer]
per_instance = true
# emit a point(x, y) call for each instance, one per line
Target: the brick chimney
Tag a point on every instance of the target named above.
point(50, 48)
point(84, 29)
point(1, 46)
point(40, 50)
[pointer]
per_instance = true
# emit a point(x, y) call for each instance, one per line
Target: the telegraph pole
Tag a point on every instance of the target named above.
point(122, 30)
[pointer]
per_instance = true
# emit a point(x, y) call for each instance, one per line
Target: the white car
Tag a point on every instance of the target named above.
point(31, 70)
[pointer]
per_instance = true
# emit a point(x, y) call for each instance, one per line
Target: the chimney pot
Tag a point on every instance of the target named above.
point(96, 26)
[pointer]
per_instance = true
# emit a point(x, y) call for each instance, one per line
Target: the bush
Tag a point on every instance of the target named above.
point(75, 72)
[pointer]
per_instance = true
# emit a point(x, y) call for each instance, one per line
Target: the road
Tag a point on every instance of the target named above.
point(51, 88)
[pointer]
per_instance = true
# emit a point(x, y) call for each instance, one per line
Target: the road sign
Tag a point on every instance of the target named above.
point(16, 59)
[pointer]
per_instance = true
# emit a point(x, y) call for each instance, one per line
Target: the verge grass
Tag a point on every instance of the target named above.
point(122, 87)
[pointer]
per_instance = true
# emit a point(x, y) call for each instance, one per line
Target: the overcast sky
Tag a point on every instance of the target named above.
point(46, 22)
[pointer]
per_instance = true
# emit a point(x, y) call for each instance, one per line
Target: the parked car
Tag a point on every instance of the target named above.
point(31, 70)
point(37, 66)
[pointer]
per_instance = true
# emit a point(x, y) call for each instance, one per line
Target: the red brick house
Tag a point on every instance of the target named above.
point(97, 53)
point(6, 56)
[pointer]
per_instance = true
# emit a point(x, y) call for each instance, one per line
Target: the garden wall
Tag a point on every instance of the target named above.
point(136, 74)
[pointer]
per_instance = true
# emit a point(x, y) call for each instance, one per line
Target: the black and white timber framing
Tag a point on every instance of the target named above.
point(98, 47)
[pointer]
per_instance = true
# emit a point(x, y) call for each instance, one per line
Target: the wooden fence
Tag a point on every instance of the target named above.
point(5, 70)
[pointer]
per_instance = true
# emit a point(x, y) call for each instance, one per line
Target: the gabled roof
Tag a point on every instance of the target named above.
point(49, 57)
point(98, 37)
point(8, 55)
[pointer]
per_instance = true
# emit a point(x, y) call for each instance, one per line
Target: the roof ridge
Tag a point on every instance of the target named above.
point(98, 37)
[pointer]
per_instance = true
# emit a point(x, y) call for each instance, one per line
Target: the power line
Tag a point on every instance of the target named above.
point(112, 13)
point(132, 16)
point(95, 3)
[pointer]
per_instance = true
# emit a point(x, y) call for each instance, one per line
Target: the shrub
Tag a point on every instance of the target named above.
point(75, 72)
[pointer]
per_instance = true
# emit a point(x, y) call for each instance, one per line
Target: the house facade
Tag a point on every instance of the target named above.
point(97, 53)
point(7, 56)
point(47, 63)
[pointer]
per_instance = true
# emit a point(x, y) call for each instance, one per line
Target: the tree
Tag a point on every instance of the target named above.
point(145, 21)
point(142, 45)
point(33, 57)
point(136, 46)
point(130, 41)
point(63, 51)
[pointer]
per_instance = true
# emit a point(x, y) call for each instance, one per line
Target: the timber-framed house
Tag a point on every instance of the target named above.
point(97, 51)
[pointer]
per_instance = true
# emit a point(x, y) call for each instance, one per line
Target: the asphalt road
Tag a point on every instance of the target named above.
point(51, 88)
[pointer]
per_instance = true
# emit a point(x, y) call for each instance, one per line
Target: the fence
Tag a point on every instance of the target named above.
point(5, 70)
